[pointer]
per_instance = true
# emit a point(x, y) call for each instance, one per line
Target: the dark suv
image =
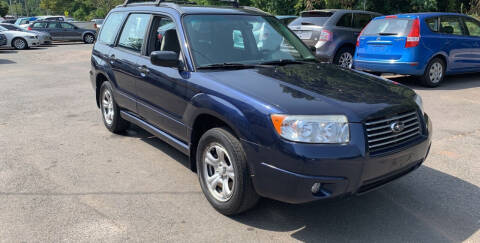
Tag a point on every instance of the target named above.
point(64, 31)
point(236, 91)
point(332, 32)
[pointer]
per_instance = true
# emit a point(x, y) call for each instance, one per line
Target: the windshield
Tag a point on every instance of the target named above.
point(242, 39)
point(396, 27)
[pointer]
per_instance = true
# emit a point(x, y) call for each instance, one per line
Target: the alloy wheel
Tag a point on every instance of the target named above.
point(218, 172)
point(89, 39)
point(19, 44)
point(345, 60)
point(107, 106)
point(436, 72)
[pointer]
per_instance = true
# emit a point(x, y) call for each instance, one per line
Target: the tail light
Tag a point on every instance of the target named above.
point(358, 38)
point(95, 26)
point(326, 35)
point(29, 28)
point(413, 38)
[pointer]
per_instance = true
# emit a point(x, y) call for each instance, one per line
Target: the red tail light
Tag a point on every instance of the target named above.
point(358, 38)
point(95, 26)
point(326, 35)
point(29, 28)
point(413, 39)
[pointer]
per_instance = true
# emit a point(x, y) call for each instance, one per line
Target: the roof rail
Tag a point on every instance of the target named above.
point(156, 2)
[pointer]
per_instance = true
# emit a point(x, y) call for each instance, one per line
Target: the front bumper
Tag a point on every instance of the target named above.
point(289, 174)
point(33, 42)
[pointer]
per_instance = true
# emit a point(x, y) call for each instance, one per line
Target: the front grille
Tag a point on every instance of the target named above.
point(382, 137)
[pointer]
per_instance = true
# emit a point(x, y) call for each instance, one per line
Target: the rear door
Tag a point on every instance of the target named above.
point(456, 43)
point(384, 39)
point(69, 32)
point(473, 30)
point(309, 26)
point(55, 30)
point(126, 58)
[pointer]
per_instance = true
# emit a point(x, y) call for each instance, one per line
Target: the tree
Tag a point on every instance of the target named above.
point(3, 9)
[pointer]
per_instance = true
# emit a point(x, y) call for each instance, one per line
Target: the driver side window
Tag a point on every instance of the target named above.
point(163, 36)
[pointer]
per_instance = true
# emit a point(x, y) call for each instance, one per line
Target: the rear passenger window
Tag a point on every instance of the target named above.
point(345, 21)
point(361, 20)
point(432, 24)
point(450, 25)
point(52, 25)
point(473, 27)
point(133, 34)
point(110, 28)
point(40, 25)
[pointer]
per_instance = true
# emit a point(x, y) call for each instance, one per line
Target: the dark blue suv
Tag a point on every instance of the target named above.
point(246, 100)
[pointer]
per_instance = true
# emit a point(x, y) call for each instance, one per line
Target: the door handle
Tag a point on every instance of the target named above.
point(143, 70)
point(112, 59)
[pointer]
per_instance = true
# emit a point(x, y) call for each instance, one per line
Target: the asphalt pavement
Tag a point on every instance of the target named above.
point(65, 178)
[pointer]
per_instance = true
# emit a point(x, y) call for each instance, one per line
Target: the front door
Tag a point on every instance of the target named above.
point(473, 28)
point(55, 30)
point(162, 90)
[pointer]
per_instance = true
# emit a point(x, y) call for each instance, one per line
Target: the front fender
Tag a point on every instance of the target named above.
point(220, 108)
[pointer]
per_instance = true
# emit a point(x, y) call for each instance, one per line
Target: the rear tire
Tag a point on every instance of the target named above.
point(344, 57)
point(434, 73)
point(223, 172)
point(89, 38)
point(110, 111)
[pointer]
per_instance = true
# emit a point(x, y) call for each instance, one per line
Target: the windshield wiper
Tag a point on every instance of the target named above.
point(226, 65)
point(386, 33)
point(282, 62)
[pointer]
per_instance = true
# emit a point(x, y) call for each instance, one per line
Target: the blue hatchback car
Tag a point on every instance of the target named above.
point(427, 45)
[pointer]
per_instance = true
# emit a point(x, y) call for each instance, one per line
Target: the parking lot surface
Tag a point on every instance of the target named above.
point(64, 177)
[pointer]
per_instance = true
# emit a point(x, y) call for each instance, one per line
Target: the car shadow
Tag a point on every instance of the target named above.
point(66, 43)
point(3, 50)
point(424, 206)
point(5, 61)
point(453, 82)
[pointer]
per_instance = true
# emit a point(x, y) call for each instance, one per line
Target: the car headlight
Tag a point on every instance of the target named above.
point(419, 101)
point(329, 129)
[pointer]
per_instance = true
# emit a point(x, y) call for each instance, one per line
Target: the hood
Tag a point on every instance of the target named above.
point(320, 89)
point(18, 33)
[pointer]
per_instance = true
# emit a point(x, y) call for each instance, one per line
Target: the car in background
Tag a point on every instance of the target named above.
point(9, 21)
point(332, 32)
point(25, 22)
point(427, 45)
point(64, 31)
point(97, 23)
point(3, 40)
point(44, 37)
point(20, 40)
point(286, 19)
point(52, 18)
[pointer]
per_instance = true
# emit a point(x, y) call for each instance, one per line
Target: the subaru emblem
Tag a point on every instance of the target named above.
point(397, 127)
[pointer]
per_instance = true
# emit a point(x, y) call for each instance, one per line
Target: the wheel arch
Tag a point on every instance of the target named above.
point(18, 37)
point(207, 112)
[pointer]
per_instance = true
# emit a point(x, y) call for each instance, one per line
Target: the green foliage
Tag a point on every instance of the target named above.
point(3, 9)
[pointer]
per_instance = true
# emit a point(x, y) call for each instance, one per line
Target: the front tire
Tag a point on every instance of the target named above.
point(110, 111)
point(223, 172)
point(344, 57)
point(434, 73)
point(19, 44)
point(89, 38)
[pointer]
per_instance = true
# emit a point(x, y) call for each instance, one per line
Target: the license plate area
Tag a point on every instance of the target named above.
point(304, 34)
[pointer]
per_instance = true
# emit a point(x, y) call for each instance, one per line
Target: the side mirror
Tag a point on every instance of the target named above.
point(164, 59)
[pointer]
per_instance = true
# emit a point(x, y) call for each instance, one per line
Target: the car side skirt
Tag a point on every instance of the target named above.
point(182, 147)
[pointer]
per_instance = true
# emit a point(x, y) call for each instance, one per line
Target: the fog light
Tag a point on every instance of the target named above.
point(316, 187)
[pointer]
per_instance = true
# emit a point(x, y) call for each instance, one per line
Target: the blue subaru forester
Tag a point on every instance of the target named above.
point(246, 100)
point(427, 45)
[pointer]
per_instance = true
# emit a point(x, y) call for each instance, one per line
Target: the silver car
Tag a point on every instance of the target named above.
point(44, 37)
point(332, 32)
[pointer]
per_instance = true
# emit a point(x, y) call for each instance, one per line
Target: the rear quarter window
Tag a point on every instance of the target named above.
point(111, 27)
point(432, 24)
point(40, 25)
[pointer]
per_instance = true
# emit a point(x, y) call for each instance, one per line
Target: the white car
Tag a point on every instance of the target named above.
point(20, 40)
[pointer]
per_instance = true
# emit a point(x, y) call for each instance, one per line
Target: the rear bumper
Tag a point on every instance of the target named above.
point(340, 171)
point(407, 68)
